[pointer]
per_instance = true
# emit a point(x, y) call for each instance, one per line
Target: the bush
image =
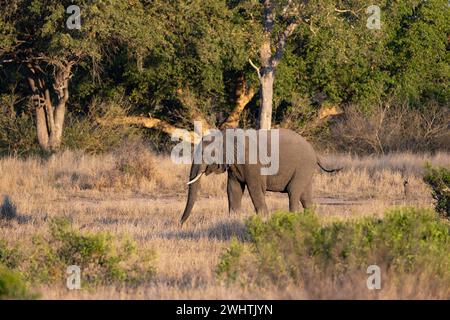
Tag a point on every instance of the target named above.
point(438, 178)
point(84, 133)
point(391, 128)
point(229, 262)
point(134, 159)
point(102, 259)
point(9, 257)
point(81, 131)
point(18, 134)
point(12, 285)
point(300, 249)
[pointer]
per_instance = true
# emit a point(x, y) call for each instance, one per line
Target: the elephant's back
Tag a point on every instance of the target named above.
point(296, 154)
point(292, 142)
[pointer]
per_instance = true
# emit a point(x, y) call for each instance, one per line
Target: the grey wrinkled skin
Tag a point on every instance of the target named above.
point(297, 164)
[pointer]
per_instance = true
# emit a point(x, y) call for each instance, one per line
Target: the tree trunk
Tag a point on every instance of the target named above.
point(62, 90)
point(266, 79)
point(49, 119)
point(266, 91)
point(38, 101)
point(270, 60)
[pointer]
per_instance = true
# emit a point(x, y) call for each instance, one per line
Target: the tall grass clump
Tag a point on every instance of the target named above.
point(132, 166)
point(301, 250)
point(438, 178)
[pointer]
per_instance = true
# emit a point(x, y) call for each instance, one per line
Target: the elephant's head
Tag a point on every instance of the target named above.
point(197, 171)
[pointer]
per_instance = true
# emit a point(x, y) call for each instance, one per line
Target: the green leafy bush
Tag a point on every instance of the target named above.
point(84, 132)
point(229, 262)
point(438, 178)
point(12, 285)
point(102, 259)
point(17, 134)
point(295, 248)
point(10, 257)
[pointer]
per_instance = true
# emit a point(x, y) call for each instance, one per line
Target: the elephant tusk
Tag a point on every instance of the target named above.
point(195, 179)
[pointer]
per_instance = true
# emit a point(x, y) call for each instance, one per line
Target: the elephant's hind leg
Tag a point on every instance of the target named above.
point(306, 197)
point(294, 200)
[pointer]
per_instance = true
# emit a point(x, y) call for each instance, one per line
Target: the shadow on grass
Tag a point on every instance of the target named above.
point(8, 212)
point(223, 231)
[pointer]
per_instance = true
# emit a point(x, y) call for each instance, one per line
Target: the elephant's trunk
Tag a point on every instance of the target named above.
point(197, 171)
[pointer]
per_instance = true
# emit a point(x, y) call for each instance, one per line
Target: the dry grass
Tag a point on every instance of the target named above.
point(143, 195)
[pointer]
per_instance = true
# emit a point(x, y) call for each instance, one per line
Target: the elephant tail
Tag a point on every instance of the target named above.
point(326, 169)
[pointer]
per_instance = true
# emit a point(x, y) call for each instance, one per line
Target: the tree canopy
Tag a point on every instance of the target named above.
point(181, 60)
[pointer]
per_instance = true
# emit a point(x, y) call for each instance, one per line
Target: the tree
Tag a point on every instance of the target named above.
point(289, 14)
point(35, 35)
point(198, 74)
point(208, 41)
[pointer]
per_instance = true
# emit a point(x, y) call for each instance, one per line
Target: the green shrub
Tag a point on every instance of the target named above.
point(438, 178)
point(9, 257)
point(86, 134)
point(18, 134)
point(12, 285)
point(229, 261)
point(297, 247)
point(102, 259)
point(81, 131)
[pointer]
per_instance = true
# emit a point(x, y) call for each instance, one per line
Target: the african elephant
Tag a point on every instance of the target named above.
point(296, 166)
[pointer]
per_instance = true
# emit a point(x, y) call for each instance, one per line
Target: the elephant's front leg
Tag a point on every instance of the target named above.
point(235, 190)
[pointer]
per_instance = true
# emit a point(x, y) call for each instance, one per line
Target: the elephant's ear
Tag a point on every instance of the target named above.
point(216, 168)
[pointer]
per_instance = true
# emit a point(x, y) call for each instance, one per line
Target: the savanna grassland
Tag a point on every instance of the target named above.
point(137, 197)
point(81, 83)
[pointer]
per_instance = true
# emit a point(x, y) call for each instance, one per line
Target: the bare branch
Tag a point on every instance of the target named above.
point(355, 13)
point(269, 18)
point(310, 26)
point(285, 11)
point(243, 99)
point(255, 67)
point(188, 100)
point(148, 122)
point(275, 60)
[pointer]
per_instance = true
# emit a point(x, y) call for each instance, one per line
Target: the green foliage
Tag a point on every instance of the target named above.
point(229, 261)
point(405, 61)
point(83, 133)
point(17, 135)
point(207, 42)
point(10, 257)
point(292, 246)
point(102, 259)
point(438, 178)
point(173, 59)
point(12, 285)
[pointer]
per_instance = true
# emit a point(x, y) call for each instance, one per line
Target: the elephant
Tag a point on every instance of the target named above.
point(297, 162)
